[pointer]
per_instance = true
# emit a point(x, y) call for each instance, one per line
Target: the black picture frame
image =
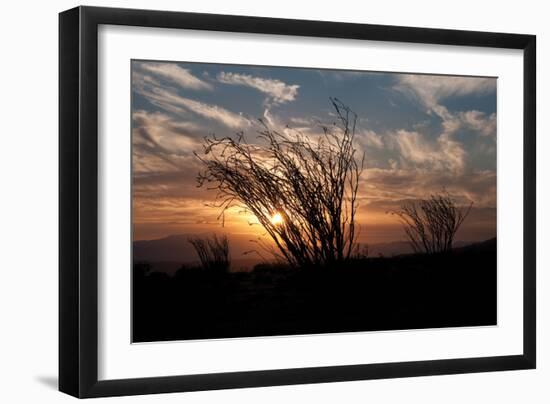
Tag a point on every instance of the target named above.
point(78, 203)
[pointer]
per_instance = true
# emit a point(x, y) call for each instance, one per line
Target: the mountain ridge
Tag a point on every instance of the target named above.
point(169, 253)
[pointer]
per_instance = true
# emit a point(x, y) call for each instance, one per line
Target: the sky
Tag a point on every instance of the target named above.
point(419, 133)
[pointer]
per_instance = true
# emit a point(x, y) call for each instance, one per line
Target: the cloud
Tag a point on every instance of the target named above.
point(164, 172)
point(480, 122)
point(165, 196)
point(302, 122)
point(430, 90)
point(371, 139)
point(277, 91)
point(214, 112)
point(304, 126)
point(176, 74)
point(448, 153)
point(445, 155)
point(162, 131)
point(417, 164)
point(141, 80)
point(172, 102)
point(388, 187)
point(162, 144)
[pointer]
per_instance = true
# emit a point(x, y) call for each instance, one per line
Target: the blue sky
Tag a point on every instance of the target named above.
point(419, 133)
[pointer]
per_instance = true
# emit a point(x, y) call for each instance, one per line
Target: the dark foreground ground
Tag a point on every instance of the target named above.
point(406, 292)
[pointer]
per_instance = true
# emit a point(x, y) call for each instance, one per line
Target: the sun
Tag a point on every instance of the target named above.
point(277, 219)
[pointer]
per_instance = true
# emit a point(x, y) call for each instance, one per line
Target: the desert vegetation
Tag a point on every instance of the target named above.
point(302, 189)
point(431, 224)
point(213, 252)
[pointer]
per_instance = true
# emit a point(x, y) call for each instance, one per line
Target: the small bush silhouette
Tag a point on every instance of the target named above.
point(431, 224)
point(302, 189)
point(213, 252)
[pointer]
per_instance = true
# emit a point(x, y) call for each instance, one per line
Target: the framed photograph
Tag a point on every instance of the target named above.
point(252, 202)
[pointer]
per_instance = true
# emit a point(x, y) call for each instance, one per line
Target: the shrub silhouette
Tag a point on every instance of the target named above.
point(302, 189)
point(213, 252)
point(431, 224)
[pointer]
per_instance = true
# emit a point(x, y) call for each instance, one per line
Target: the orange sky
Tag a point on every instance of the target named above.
point(419, 133)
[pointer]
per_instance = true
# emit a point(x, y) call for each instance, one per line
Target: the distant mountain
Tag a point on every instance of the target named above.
point(171, 248)
point(170, 253)
point(401, 247)
point(483, 246)
point(389, 249)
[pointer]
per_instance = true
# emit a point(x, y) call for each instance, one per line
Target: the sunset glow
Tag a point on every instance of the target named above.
point(277, 219)
point(418, 133)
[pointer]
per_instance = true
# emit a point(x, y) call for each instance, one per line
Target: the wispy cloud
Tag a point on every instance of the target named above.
point(162, 144)
point(485, 124)
point(370, 138)
point(430, 90)
point(388, 187)
point(176, 74)
point(445, 155)
point(214, 112)
point(277, 91)
point(163, 131)
point(173, 102)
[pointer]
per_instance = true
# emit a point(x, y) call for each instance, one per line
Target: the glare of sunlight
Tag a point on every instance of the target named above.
point(277, 219)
